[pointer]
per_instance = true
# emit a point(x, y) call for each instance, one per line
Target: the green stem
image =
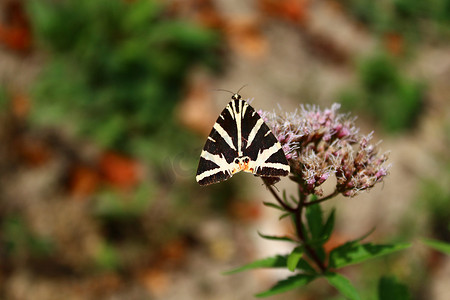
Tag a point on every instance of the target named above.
point(277, 197)
point(299, 226)
point(297, 212)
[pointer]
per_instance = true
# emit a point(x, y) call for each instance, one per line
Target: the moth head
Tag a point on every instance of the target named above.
point(236, 96)
point(242, 163)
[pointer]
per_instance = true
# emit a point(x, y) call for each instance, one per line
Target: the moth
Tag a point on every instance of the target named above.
point(240, 141)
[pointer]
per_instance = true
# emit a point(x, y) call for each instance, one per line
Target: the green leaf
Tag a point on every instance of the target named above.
point(314, 219)
point(437, 245)
point(278, 261)
point(343, 285)
point(294, 200)
point(277, 238)
point(389, 288)
point(329, 225)
point(294, 258)
point(353, 253)
point(284, 215)
point(288, 284)
point(273, 205)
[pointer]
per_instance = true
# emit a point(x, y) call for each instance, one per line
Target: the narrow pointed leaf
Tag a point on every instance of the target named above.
point(294, 258)
point(277, 238)
point(389, 288)
point(343, 285)
point(288, 284)
point(293, 199)
point(273, 205)
point(278, 261)
point(284, 215)
point(329, 226)
point(353, 253)
point(437, 245)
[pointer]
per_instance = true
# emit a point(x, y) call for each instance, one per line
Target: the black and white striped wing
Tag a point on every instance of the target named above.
point(216, 159)
point(240, 141)
point(261, 146)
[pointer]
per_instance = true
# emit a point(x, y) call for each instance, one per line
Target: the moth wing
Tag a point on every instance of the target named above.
point(262, 147)
point(220, 150)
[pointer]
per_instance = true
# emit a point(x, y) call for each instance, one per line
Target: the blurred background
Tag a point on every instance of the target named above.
point(105, 106)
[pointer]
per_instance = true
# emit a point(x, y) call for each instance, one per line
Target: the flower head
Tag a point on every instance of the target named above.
point(320, 143)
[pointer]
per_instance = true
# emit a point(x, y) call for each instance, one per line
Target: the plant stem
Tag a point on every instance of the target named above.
point(335, 193)
point(298, 221)
point(298, 224)
point(277, 197)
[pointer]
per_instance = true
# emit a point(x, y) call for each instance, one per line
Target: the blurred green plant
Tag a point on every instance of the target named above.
point(438, 245)
point(435, 199)
point(116, 70)
point(389, 288)
point(112, 205)
point(107, 258)
point(385, 94)
point(410, 18)
point(4, 99)
point(19, 242)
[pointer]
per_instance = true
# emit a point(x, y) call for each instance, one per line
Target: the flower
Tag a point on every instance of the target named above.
point(320, 143)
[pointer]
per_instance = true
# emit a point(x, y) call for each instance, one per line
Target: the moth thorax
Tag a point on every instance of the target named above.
point(242, 163)
point(236, 96)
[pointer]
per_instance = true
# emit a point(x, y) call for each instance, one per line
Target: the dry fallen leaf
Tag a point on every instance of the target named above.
point(196, 110)
point(83, 180)
point(289, 10)
point(15, 33)
point(245, 37)
point(119, 171)
point(394, 43)
point(32, 151)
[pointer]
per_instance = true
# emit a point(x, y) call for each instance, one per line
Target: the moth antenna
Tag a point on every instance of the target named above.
point(231, 91)
point(241, 88)
point(222, 90)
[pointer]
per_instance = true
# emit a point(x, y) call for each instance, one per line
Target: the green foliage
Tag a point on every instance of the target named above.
point(112, 205)
point(117, 70)
point(294, 258)
point(278, 261)
point(343, 285)
point(317, 230)
point(107, 258)
point(438, 245)
point(389, 288)
point(352, 253)
point(276, 238)
point(4, 99)
point(288, 284)
point(384, 93)
point(407, 17)
point(19, 241)
point(435, 198)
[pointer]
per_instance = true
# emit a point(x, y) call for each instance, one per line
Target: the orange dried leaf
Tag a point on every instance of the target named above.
point(394, 43)
point(245, 211)
point(20, 106)
point(196, 111)
point(290, 10)
point(246, 38)
point(33, 152)
point(156, 281)
point(16, 32)
point(83, 181)
point(119, 171)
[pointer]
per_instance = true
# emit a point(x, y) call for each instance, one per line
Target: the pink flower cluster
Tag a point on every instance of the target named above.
point(319, 144)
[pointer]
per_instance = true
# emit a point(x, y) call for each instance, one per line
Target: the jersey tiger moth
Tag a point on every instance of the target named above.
point(240, 141)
